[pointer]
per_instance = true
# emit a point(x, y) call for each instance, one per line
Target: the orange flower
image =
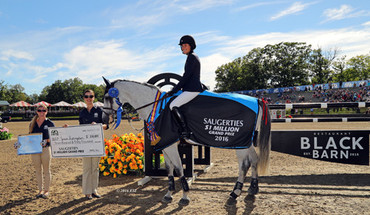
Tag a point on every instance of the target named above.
point(123, 153)
point(109, 160)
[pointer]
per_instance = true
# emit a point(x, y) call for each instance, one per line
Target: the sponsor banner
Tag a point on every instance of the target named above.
point(77, 141)
point(349, 147)
point(216, 120)
point(29, 144)
point(326, 86)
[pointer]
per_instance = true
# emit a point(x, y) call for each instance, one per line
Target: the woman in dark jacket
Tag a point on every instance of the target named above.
point(90, 176)
point(189, 83)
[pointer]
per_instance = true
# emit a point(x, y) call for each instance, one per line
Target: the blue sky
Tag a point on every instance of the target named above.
point(45, 41)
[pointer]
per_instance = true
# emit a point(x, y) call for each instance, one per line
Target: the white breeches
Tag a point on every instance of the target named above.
point(183, 98)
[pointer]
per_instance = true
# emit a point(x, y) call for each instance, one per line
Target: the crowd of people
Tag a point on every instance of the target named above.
point(343, 95)
point(355, 94)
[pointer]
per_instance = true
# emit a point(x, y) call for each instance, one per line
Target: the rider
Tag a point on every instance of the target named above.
point(189, 83)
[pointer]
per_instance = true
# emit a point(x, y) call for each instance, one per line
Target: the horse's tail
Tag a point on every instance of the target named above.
point(264, 138)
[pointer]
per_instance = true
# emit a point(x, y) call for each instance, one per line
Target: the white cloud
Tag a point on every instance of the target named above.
point(209, 65)
point(259, 4)
point(144, 15)
point(344, 12)
point(295, 8)
point(366, 24)
point(6, 55)
point(200, 5)
point(111, 59)
point(352, 41)
point(337, 14)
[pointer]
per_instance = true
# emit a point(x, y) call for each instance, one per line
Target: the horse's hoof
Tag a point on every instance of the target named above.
point(167, 199)
point(253, 190)
point(249, 198)
point(184, 202)
point(231, 202)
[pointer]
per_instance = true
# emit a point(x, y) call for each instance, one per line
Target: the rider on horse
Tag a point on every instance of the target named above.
point(190, 83)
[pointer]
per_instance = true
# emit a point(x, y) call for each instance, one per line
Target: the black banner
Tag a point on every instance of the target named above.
point(213, 121)
point(349, 147)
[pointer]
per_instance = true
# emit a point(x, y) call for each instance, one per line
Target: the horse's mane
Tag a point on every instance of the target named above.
point(136, 82)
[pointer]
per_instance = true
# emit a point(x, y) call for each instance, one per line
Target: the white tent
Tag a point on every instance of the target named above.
point(98, 104)
point(42, 103)
point(21, 104)
point(62, 104)
point(80, 105)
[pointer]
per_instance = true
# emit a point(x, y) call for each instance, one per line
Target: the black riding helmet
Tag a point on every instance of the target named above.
point(189, 40)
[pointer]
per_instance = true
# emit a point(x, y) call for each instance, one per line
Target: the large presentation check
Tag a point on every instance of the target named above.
point(29, 144)
point(77, 141)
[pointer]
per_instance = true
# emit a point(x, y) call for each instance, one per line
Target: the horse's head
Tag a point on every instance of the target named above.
point(139, 95)
point(110, 107)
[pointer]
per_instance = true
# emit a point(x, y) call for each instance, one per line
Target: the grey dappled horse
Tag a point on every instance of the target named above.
point(140, 94)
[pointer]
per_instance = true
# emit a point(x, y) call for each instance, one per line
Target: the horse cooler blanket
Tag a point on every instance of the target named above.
point(216, 120)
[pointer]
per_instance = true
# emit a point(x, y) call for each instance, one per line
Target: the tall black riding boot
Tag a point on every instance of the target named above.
point(185, 133)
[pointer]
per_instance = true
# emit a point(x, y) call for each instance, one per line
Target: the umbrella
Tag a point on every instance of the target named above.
point(21, 104)
point(42, 103)
point(98, 104)
point(4, 103)
point(80, 104)
point(62, 104)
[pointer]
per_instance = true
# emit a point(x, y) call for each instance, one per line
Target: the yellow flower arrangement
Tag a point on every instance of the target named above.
point(123, 154)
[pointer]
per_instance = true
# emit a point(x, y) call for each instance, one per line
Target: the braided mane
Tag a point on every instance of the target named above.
point(136, 82)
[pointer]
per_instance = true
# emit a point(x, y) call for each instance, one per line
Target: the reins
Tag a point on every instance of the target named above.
point(144, 106)
point(113, 93)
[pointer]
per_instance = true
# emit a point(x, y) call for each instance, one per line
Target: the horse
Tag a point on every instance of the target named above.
point(141, 96)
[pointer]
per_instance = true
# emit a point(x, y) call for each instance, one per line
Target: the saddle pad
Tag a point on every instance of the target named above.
point(216, 120)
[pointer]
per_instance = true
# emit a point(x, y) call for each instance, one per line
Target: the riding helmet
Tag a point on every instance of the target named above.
point(189, 40)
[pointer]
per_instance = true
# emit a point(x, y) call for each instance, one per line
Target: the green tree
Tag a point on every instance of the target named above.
point(320, 65)
point(33, 98)
point(359, 68)
point(280, 65)
point(287, 63)
point(17, 93)
point(68, 91)
point(339, 66)
point(4, 91)
point(228, 75)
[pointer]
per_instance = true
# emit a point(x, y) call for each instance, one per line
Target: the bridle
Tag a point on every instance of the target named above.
point(113, 94)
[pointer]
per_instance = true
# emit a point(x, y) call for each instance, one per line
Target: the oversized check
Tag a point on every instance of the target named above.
point(77, 141)
point(29, 144)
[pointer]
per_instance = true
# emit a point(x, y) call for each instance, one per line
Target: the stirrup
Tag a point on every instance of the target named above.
point(185, 135)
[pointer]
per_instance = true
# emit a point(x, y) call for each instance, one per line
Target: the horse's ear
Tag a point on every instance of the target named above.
point(107, 82)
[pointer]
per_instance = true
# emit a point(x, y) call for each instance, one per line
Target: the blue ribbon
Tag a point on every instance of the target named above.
point(119, 115)
point(113, 92)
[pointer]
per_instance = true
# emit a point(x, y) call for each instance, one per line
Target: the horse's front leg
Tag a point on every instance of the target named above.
point(171, 181)
point(173, 162)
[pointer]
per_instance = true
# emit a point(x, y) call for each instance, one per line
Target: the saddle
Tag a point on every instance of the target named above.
point(215, 119)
